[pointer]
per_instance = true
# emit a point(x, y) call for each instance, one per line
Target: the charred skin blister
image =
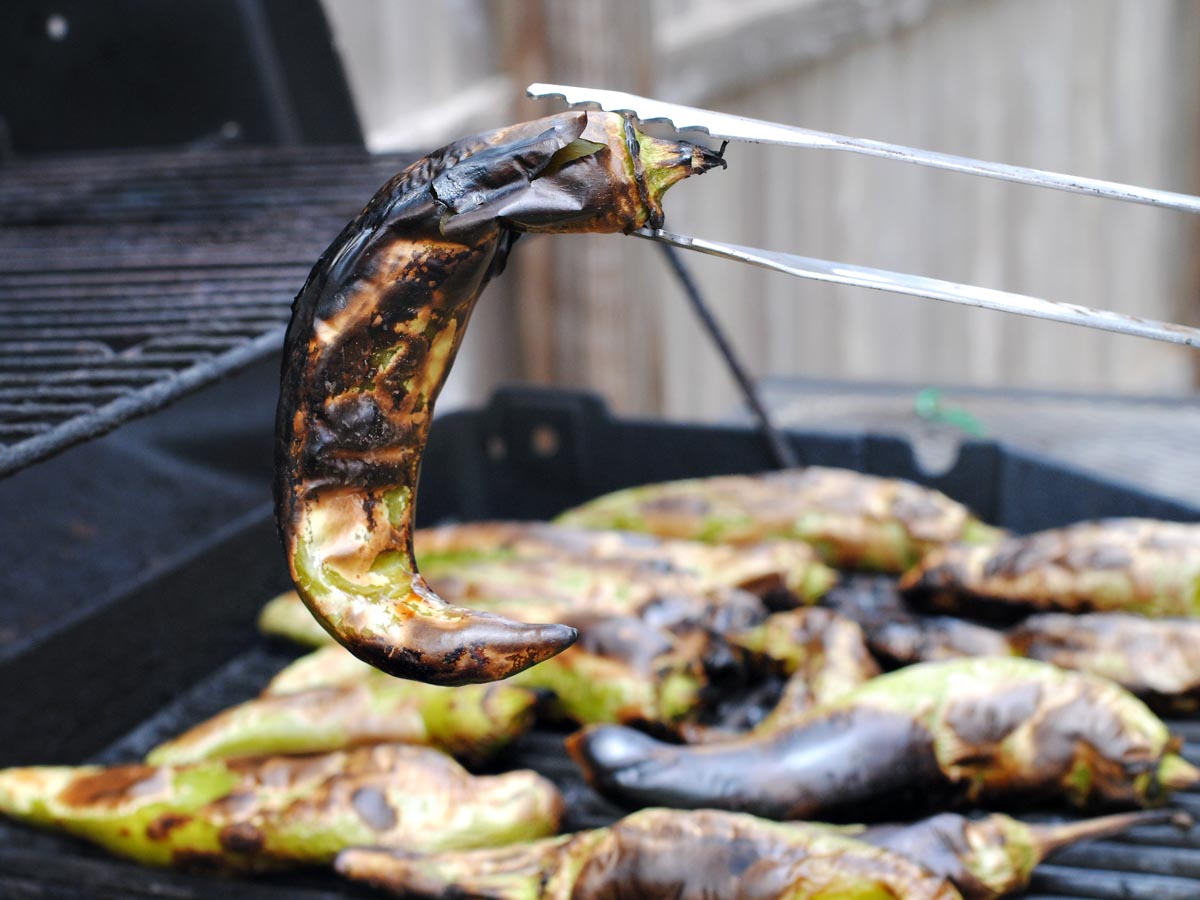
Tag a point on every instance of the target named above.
point(372, 338)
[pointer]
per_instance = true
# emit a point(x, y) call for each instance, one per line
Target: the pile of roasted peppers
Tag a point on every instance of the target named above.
point(718, 646)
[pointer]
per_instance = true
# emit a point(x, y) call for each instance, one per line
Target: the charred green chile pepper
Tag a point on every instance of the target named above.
point(972, 730)
point(620, 671)
point(985, 859)
point(853, 520)
point(278, 812)
point(661, 853)
point(624, 671)
point(470, 722)
point(373, 334)
point(822, 655)
point(994, 856)
point(786, 571)
point(663, 597)
point(1157, 660)
point(1139, 566)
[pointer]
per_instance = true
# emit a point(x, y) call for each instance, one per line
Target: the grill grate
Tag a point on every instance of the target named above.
point(129, 279)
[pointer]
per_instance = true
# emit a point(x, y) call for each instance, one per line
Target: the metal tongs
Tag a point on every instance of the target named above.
point(728, 127)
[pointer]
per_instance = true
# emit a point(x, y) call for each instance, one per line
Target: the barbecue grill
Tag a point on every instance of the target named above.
point(136, 562)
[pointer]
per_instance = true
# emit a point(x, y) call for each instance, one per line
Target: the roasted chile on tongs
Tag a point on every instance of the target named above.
point(373, 334)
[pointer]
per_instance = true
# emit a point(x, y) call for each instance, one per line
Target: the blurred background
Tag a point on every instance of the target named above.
point(1106, 88)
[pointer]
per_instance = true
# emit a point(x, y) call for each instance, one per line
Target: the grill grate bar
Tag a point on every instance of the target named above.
point(151, 302)
point(1160, 836)
point(145, 316)
point(164, 273)
point(135, 332)
point(151, 293)
point(1072, 882)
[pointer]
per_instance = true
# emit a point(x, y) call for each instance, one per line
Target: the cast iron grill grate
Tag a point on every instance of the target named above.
point(129, 279)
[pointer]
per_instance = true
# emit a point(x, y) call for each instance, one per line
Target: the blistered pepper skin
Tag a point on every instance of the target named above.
point(373, 334)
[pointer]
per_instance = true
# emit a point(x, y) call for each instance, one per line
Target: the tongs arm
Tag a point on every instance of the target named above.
point(933, 288)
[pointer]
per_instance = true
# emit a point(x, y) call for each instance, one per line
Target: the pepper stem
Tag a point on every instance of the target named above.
point(1047, 839)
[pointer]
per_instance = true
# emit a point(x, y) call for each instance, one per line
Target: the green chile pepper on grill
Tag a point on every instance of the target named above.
point(973, 730)
point(470, 722)
point(661, 853)
point(279, 812)
point(373, 334)
point(1139, 566)
point(1157, 660)
point(985, 859)
point(521, 562)
point(853, 520)
point(786, 571)
point(994, 856)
